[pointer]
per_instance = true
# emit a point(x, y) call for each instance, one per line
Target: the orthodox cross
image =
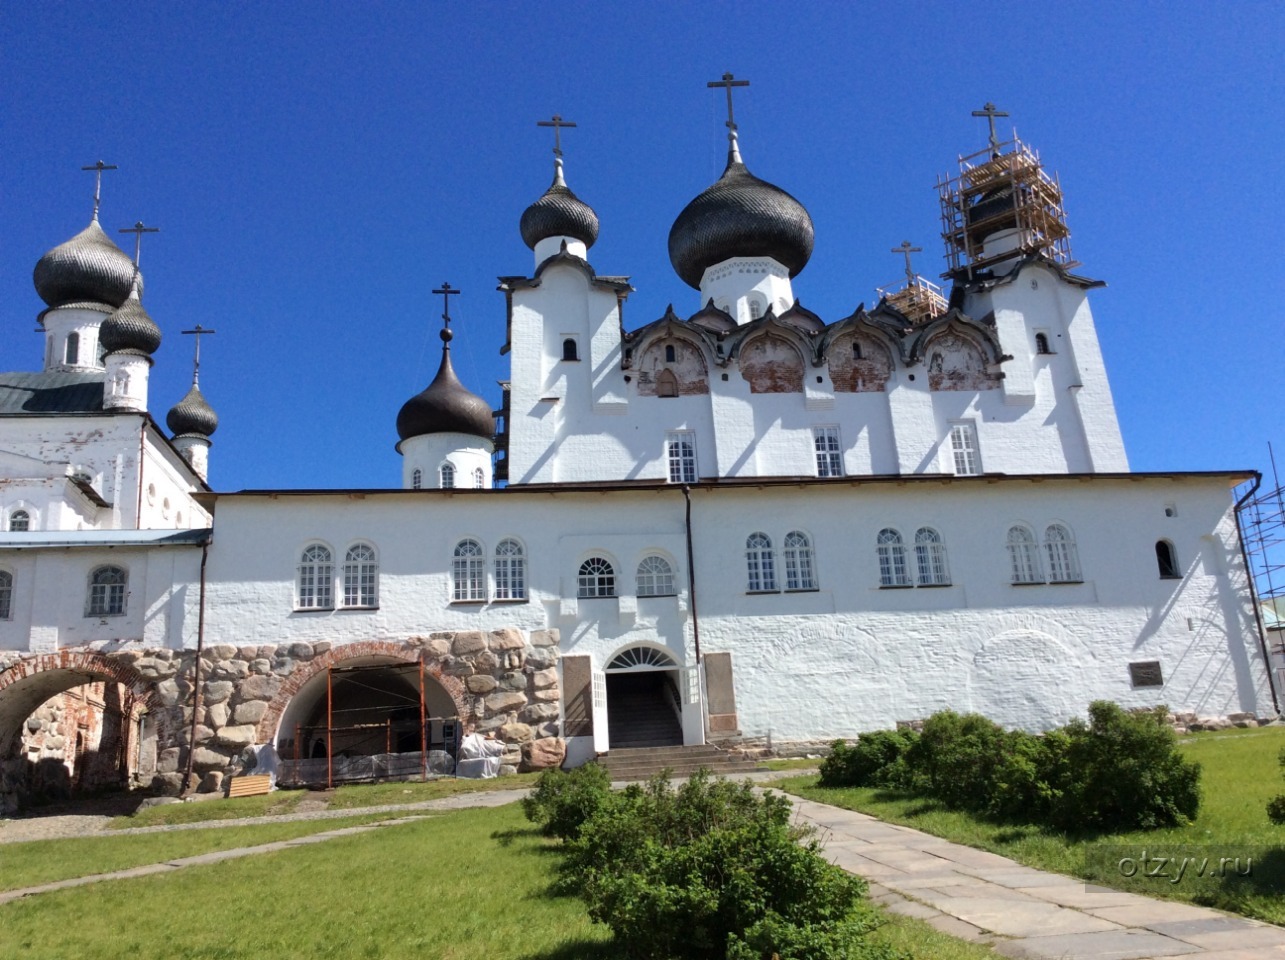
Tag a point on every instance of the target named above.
point(447, 291)
point(907, 250)
point(138, 230)
point(557, 123)
point(198, 331)
point(990, 113)
point(728, 82)
point(98, 169)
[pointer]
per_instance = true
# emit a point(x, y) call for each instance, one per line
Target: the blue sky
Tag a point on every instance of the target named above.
point(316, 169)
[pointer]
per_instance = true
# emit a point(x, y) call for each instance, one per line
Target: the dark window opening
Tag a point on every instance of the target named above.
point(1167, 561)
point(1042, 343)
point(73, 348)
point(569, 351)
point(856, 350)
point(669, 353)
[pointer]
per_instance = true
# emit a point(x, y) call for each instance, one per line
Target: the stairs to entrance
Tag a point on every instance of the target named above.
point(640, 763)
point(638, 714)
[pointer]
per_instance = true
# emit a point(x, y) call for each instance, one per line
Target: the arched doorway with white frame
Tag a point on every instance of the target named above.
point(652, 699)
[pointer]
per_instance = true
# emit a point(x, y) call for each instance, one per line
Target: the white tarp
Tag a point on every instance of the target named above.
point(479, 757)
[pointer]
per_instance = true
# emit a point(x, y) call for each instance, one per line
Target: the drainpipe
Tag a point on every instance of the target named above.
point(691, 572)
point(196, 674)
point(1253, 593)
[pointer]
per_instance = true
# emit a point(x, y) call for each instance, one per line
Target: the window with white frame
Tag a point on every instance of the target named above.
point(19, 521)
point(1023, 556)
point(597, 578)
point(416, 479)
point(315, 581)
point(510, 571)
point(680, 448)
point(1059, 550)
point(892, 559)
point(106, 592)
point(825, 440)
point(6, 595)
point(930, 558)
point(479, 478)
point(760, 563)
point(361, 576)
point(963, 449)
point(468, 571)
point(655, 578)
point(800, 563)
point(446, 472)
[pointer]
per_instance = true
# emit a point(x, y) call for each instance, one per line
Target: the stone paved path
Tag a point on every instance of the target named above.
point(1023, 912)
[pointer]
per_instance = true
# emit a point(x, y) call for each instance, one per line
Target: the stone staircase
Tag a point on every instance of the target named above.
point(639, 715)
point(640, 763)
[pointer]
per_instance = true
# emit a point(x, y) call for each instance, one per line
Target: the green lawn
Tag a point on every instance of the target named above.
point(378, 794)
point(199, 811)
point(466, 885)
point(1240, 774)
point(43, 861)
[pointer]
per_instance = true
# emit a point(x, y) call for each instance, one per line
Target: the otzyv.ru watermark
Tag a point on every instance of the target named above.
point(1178, 864)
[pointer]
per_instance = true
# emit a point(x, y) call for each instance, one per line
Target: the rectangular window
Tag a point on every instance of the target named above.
point(963, 448)
point(680, 448)
point(829, 457)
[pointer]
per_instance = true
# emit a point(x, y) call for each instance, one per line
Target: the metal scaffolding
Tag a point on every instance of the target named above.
point(1261, 516)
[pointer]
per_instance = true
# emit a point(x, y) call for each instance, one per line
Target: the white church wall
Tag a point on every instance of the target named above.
point(166, 500)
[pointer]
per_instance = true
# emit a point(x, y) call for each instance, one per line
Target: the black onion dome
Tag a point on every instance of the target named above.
point(739, 216)
point(192, 414)
point(559, 213)
point(87, 268)
point(446, 406)
point(129, 328)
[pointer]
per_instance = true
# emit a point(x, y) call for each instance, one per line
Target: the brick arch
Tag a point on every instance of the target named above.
point(31, 681)
point(336, 656)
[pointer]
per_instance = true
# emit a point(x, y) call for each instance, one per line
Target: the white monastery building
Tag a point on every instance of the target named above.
point(738, 523)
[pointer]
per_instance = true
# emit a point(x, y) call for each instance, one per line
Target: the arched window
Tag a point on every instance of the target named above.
point(800, 566)
point(569, 351)
point(666, 384)
point(1023, 556)
point(856, 350)
point(760, 563)
point(447, 474)
point(479, 478)
point(597, 578)
point(930, 558)
point(1059, 548)
point(416, 479)
point(106, 592)
point(510, 571)
point(468, 571)
point(670, 353)
point(316, 579)
point(19, 521)
point(6, 595)
point(892, 559)
point(655, 578)
point(1167, 561)
point(680, 451)
point(756, 308)
point(361, 576)
point(1042, 343)
point(72, 353)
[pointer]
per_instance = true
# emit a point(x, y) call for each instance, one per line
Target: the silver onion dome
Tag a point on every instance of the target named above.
point(559, 213)
point(739, 216)
point(445, 406)
point(192, 414)
point(88, 268)
point(129, 328)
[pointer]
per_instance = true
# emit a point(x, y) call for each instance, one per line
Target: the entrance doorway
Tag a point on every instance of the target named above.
point(644, 708)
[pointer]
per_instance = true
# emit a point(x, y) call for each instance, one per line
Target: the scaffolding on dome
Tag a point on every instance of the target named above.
point(998, 189)
point(917, 299)
point(1262, 531)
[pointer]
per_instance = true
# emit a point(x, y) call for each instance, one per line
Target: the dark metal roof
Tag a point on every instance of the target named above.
point(54, 392)
point(559, 213)
point(192, 414)
point(446, 406)
point(740, 216)
point(986, 279)
point(130, 328)
point(88, 267)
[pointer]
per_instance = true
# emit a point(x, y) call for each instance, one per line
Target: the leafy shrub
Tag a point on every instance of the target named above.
point(710, 871)
point(1276, 805)
point(958, 756)
point(1123, 771)
point(562, 801)
point(877, 759)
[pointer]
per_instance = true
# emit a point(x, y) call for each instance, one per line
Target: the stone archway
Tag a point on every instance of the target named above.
point(642, 682)
point(338, 656)
point(31, 681)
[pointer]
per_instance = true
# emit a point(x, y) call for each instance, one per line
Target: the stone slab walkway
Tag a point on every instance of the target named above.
point(169, 866)
point(1023, 912)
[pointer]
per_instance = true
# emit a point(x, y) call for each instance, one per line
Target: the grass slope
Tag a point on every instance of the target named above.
point(1240, 774)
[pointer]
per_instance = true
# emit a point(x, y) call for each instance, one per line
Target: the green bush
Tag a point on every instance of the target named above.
point(958, 757)
point(877, 759)
point(711, 871)
point(1122, 771)
point(1276, 805)
point(561, 802)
